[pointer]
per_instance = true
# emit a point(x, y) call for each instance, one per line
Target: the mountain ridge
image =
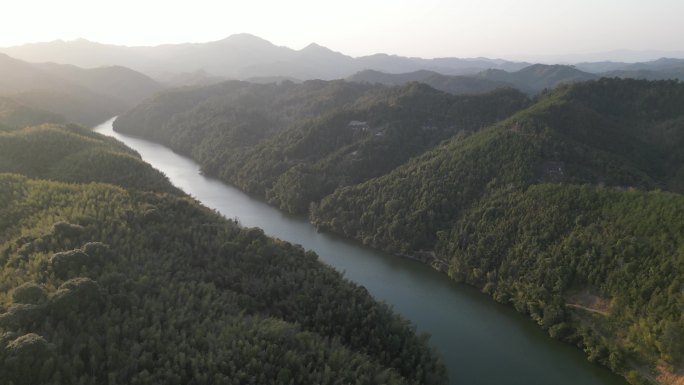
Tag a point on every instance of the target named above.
point(179, 58)
point(265, 59)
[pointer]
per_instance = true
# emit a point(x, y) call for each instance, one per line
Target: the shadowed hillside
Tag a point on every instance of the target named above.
point(85, 96)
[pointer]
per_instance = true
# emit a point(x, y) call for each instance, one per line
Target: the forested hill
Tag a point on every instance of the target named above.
point(85, 96)
point(128, 284)
point(16, 115)
point(295, 143)
point(537, 77)
point(625, 133)
point(525, 210)
point(456, 85)
point(69, 153)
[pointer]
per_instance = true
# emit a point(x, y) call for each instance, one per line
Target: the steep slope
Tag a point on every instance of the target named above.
point(577, 134)
point(538, 77)
point(236, 113)
point(100, 284)
point(297, 143)
point(84, 96)
point(456, 85)
point(480, 207)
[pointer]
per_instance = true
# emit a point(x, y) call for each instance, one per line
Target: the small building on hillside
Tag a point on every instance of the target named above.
point(357, 125)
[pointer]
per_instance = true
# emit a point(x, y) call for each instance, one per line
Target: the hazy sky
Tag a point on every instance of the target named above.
point(427, 28)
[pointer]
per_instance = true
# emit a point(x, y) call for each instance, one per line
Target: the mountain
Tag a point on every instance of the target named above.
point(241, 56)
point(456, 85)
point(244, 56)
point(115, 82)
point(537, 77)
point(557, 210)
point(128, 280)
point(293, 144)
point(86, 96)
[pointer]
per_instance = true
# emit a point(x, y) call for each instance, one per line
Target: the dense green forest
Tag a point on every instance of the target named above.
point(69, 153)
point(576, 134)
point(453, 84)
point(531, 79)
point(521, 209)
point(567, 207)
point(134, 283)
point(537, 77)
point(293, 144)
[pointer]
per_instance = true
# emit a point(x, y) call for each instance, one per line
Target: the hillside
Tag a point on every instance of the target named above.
point(72, 154)
point(295, 143)
point(101, 284)
point(538, 77)
point(16, 115)
point(456, 85)
point(503, 209)
point(85, 96)
point(116, 284)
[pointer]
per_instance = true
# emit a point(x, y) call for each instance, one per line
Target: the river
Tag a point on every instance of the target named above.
point(481, 341)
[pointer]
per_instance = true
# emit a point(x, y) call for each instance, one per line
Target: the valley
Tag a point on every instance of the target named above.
point(185, 203)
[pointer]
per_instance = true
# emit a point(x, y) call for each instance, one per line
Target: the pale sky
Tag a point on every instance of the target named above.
point(426, 28)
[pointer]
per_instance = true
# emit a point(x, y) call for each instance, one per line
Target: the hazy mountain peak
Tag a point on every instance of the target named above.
point(246, 38)
point(316, 47)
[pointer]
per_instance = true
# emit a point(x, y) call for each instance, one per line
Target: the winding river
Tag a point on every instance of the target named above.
point(480, 341)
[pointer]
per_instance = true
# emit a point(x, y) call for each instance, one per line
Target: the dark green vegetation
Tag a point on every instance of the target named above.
point(72, 154)
point(119, 285)
point(293, 144)
point(531, 79)
point(519, 210)
point(14, 115)
point(537, 77)
point(85, 96)
point(666, 74)
point(569, 209)
point(456, 85)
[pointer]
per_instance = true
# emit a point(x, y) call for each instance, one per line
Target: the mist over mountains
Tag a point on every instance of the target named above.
point(248, 57)
point(241, 56)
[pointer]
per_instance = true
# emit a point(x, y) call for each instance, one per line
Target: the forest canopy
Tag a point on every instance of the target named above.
point(117, 277)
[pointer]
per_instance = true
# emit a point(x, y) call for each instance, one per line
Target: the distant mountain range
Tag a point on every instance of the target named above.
point(244, 56)
point(531, 79)
point(85, 96)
